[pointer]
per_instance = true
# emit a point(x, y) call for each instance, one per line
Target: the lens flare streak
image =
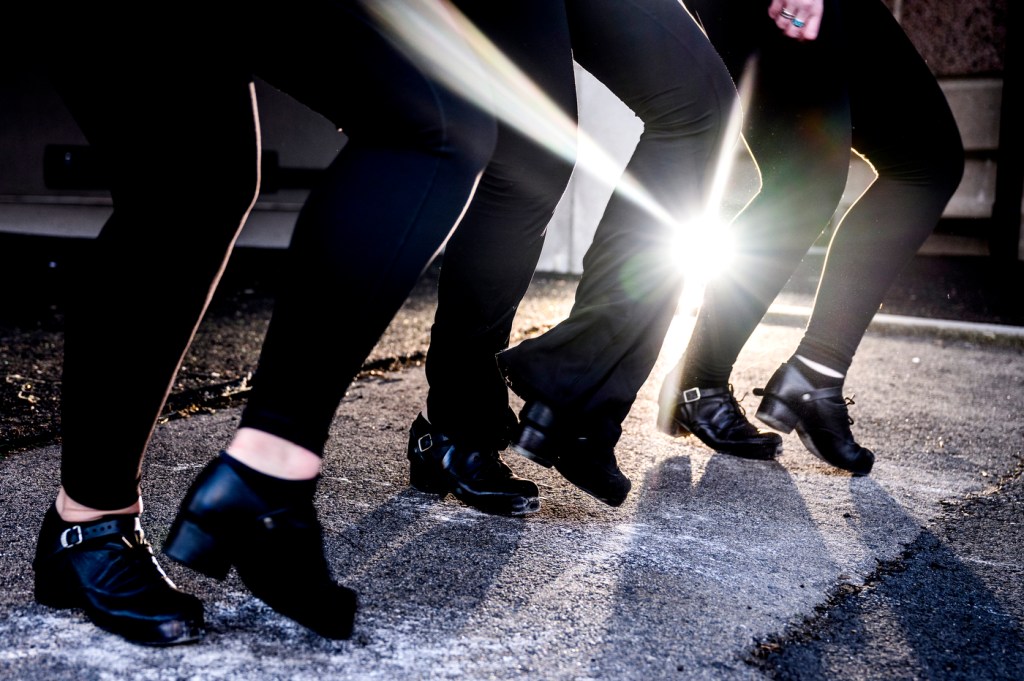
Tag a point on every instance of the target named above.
point(449, 47)
point(434, 34)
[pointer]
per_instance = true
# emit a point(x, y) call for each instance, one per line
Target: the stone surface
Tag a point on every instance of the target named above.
point(966, 38)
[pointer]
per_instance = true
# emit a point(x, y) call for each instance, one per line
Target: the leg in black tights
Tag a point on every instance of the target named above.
point(158, 247)
point(389, 200)
point(918, 158)
point(181, 147)
point(395, 192)
point(882, 100)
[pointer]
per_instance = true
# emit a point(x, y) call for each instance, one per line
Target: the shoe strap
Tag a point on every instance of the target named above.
point(822, 394)
point(806, 395)
point(435, 439)
point(691, 395)
point(78, 534)
point(424, 443)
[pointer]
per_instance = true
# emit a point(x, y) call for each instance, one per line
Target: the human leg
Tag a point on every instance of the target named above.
point(399, 185)
point(800, 140)
point(92, 552)
point(587, 370)
point(902, 125)
point(140, 253)
point(486, 269)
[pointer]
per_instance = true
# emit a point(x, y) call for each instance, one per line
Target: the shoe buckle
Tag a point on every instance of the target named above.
point(691, 395)
point(76, 539)
point(425, 442)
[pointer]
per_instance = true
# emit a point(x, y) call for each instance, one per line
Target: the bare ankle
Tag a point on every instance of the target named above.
point(273, 455)
point(72, 511)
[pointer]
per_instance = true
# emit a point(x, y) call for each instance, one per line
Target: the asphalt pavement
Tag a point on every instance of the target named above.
point(714, 568)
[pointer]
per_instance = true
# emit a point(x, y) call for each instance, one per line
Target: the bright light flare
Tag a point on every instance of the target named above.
point(702, 250)
point(446, 44)
point(705, 248)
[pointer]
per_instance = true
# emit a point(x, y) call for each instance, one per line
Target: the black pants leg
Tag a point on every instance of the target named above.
point(489, 261)
point(181, 147)
point(801, 139)
point(654, 57)
point(398, 187)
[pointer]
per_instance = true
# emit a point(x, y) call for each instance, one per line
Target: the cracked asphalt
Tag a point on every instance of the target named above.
point(714, 568)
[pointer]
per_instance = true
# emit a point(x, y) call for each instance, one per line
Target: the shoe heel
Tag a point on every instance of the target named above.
point(671, 426)
point(193, 547)
point(777, 415)
point(667, 423)
point(529, 443)
point(424, 479)
point(534, 437)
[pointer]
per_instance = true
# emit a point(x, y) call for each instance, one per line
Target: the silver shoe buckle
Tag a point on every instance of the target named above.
point(77, 529)
point(691, 395)
point(425, 442)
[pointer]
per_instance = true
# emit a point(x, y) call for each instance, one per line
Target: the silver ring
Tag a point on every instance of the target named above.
point(798, 24)
point(786, 14)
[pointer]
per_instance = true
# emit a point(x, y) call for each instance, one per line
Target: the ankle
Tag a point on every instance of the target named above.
point(71, 511)
point(273, 455)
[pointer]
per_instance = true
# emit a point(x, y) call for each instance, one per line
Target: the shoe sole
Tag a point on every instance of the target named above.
point(163, 634)
point(767, 453)
point(521, 507)
point(614, 502)
point(430, 485)
point(785, 426)
point(809, 444)
point(770, 420)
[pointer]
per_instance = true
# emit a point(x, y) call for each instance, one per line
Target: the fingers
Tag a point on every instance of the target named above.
point(797, 19)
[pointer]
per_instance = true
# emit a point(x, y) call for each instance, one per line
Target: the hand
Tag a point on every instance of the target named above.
point(807, 12)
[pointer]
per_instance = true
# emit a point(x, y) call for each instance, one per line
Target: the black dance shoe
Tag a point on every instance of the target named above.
point(820, 417)
point(715, 417)
point(587, 462)
point(277, 547)
point(107, 568)
point(476, 477)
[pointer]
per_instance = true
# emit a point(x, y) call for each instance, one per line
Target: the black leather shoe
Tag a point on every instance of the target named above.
point(820, 417)
point(107, 568)
point(476, 477)
point(585, 461)
point(277, 548)
point(715, 417)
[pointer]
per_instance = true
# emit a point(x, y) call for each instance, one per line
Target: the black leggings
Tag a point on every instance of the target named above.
point(414, 154)
point(652, 56)
point(296, 389)
point(861, 84)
